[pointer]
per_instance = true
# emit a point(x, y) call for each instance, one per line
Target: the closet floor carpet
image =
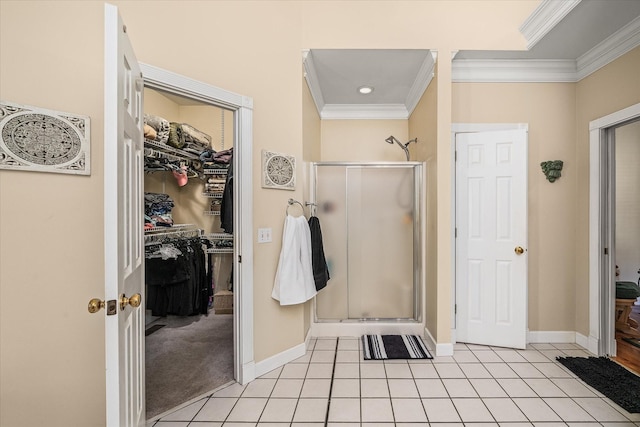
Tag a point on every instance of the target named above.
point(186, 358)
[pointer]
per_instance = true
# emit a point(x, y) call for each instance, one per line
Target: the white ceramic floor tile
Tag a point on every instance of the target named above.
point(449, 370)
point(510, 356)
point(431, 388)
point(440, 411)
point(345, 387)
point(551, 370)
point(395, 370)
point(568, 410)
point(599, 409)
point(322, 356)
point(311, 410)
point(500, 370)
point(472, 411)
point(303, 359)
point(370, 425)
point(525, 425)
point(247, 409)
point(374, 387)
point(536, 409)
point(544, 387)
point(286, 387)
point(573, 387)
point(326, 344)
point(549, 424)
point(566, 346)
point(272, 374)
point(402, 388)
point(408, 411)
point(376, 410)
point(372, 370)
point(320, 370)
point(515, 387)
point(305, 425)
point(443, 359)
point(475, 370)
point(318, 388)
point(213, 424)
point(577, 353)
point(279, 410)
point(465, 356)
point(552, 354)
point(172, 424)
point(423, 370)
point(349, 344)
point(259, 388)
point(487, 356)
point(344, 410)
point(294, 370)
point(216, 409)
point(533, 356)
point(459, 387)
point(346, 370)
point(526, 370)
point(487, 387)
point(187, 413)
point(348, 356)
point(234, 390)
point(623, 424)
point(504, 410)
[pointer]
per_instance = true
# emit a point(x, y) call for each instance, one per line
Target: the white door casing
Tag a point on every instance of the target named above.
point(123, 225)
point(491, 222)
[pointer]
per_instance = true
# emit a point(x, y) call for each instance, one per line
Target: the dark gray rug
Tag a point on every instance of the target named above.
point(609, 378)
point(187, 358)
point(381, 347)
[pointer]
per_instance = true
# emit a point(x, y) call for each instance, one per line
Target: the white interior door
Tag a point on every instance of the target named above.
point(124, 255)
point(491, 223)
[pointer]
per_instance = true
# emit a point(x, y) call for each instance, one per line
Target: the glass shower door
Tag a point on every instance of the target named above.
point(370, 231)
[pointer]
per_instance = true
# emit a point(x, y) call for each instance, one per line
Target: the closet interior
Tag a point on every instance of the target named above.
point(189, 243)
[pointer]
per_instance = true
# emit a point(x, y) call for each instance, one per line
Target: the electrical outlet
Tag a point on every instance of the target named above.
point(264, 235)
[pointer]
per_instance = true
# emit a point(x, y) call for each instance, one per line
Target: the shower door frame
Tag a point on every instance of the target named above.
point(419, 225)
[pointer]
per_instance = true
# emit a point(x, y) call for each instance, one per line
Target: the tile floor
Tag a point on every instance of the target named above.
point(478, 386)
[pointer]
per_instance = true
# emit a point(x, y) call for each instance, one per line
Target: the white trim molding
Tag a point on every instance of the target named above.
point(280, 359)
point(442, 349)
point(513, 70)
point(313, 82)
point(546, 16)
point(421, 83)
point(364, 111)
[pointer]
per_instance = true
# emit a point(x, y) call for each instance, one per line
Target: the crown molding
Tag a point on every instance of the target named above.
point(544, 18)
point(516, 71)
point(312, 79)
point(613, 47)
point(421, 83)
point(364, 112)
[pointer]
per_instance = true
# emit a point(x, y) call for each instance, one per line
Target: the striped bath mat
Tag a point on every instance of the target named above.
point(381, 347)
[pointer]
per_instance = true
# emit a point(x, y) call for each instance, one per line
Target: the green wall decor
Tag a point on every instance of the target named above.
point(552, 169)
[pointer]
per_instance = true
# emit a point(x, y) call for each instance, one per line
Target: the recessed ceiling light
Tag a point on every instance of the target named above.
point(365, 90)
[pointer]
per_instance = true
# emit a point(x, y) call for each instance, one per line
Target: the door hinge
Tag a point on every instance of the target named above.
point(455, 309)
point(606, 251)
point(240, 258)
point(455, 156)
point(455, 234)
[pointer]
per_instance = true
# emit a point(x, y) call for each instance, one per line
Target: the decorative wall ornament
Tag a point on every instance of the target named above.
point(552, 169)
point(35, 139)
point(278, 171)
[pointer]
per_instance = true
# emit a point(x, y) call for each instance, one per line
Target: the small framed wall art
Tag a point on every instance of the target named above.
point(35, 139)
point(278, 171)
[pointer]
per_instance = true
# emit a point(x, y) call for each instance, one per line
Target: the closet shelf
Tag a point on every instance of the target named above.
point(213, 195)
point(170, 150)
point(212, 213)
point(214, 171)
point(174, 227)
point(218, 236)
point(220, 251)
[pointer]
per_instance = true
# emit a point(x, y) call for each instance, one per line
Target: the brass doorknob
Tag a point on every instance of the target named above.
point(95, 305)
point(519, 250)
point(134, 301)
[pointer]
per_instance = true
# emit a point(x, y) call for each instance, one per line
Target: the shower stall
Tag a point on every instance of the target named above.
point(372, 229)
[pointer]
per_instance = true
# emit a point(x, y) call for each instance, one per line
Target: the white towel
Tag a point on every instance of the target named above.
point(294, 277)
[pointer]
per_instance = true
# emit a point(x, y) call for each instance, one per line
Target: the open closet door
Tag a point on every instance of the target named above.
point(123, 227)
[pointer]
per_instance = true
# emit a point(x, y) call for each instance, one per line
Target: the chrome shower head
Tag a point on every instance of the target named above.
point(390, 140)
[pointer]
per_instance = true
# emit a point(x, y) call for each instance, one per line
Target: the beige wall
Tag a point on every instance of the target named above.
point(422, 125)
point(363, 140)
point(548, 109)
point(51, 225)
point(612, 88)
point(51, 55)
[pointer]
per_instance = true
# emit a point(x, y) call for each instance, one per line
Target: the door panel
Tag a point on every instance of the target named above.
point(124, 260)
point(491, 221)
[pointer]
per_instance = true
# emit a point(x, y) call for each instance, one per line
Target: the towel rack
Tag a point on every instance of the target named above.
point(292, 202)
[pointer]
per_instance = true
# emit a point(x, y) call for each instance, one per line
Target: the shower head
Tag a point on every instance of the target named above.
point(393, 139)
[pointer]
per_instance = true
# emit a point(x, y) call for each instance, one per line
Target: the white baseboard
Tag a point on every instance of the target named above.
point(590, 343)
point(280, 359)
point(248, 373)
point(442, 349)
point(357, 329)
point(551, 337)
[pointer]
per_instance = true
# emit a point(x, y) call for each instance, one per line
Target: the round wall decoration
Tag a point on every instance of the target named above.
point(278, 171)
point(43, 140)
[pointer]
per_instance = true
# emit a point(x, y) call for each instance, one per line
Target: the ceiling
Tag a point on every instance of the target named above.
point(567, 40)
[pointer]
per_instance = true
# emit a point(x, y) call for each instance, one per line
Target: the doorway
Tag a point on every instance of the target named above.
point(602, 228)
